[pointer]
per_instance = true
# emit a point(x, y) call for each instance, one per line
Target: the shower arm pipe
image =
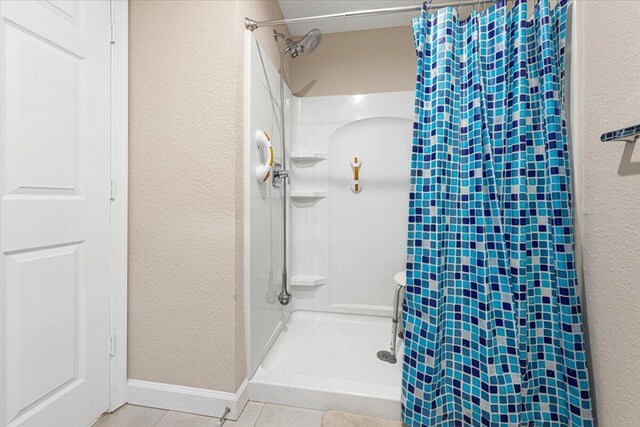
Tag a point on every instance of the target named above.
point(251, 24)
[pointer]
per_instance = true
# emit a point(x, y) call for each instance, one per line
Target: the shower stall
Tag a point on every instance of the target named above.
point(325, 236)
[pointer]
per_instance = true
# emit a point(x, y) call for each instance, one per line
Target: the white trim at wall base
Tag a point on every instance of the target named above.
point(187, 399)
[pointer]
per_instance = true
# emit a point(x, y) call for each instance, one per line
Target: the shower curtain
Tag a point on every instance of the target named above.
point(493, 323)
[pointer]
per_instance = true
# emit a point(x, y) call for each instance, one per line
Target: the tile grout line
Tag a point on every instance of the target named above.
point(162, 418)
point(259, 413)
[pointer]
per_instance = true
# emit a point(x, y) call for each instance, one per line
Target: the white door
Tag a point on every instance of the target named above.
point(54, 212)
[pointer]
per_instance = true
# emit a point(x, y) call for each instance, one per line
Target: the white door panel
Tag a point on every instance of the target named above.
point(54, 212)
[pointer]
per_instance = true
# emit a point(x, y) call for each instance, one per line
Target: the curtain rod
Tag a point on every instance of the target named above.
point(251, 24)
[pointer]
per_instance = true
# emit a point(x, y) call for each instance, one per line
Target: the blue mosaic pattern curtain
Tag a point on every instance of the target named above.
point(492, 313)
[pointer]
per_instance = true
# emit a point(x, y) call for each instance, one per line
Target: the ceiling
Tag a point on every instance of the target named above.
point(302, 8)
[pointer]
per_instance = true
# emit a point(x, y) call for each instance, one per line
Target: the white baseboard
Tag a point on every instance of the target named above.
point(187, 399)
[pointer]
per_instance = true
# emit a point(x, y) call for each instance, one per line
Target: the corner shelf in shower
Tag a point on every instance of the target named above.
point(307, 281)
point(308, 194)
point(308, 156)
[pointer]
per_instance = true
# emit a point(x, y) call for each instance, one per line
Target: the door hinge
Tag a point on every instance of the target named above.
point(113, 33)
point(112, 194)
point(112, 345)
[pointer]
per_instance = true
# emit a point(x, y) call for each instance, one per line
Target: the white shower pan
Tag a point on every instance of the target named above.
point(328, 361)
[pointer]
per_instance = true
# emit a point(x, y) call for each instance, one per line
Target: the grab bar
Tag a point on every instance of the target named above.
point(356, 164)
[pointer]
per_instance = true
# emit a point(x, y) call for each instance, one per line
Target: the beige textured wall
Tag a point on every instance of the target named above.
point(186, 321)
point(611, 96)
point(185, 262)
point(354, 62)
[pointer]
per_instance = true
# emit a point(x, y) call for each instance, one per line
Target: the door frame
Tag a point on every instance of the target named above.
point(119, 124)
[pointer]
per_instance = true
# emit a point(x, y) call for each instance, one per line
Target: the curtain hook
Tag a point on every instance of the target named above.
point(429, 5)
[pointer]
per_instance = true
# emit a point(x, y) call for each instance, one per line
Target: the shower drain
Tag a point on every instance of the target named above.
point(386, 356)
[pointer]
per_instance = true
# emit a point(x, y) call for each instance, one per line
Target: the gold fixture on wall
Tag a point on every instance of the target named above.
point(356, 164)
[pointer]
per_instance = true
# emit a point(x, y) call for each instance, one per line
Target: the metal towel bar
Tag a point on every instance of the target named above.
point(630, 134)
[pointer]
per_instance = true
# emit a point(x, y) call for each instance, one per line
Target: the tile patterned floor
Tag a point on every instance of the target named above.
point(254, 415)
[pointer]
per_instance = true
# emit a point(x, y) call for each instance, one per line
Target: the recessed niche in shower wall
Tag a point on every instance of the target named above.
point(350, 244)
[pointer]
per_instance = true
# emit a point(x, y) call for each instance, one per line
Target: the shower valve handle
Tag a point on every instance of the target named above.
point(279, 175)
point(282, 173)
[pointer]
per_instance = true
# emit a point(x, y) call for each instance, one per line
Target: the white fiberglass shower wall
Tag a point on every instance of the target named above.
point(263, 208)
point(347, 246)
point(344, 247)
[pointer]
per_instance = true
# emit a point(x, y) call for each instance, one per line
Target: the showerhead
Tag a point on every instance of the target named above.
point(311, 41)
point(308, 44)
